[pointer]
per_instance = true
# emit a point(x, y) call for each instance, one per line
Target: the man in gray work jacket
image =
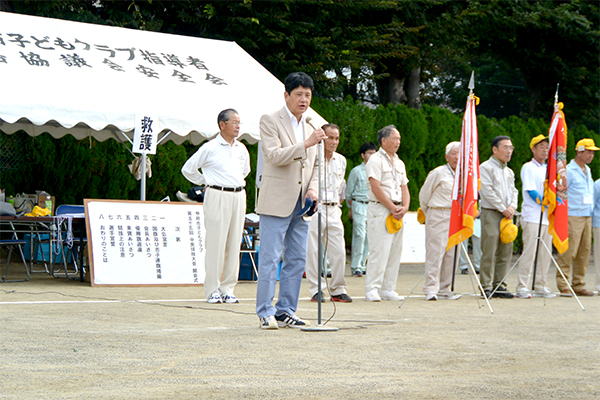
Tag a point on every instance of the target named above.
point(498, 200)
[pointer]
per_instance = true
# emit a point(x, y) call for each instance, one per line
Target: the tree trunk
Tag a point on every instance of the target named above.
point(413, 88)
point(391, 90)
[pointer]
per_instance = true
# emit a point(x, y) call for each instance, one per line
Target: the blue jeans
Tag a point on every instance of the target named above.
point(287, 236)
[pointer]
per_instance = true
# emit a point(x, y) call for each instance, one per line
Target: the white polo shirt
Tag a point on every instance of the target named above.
point(335, 185)
point(533, 175)
point(222, 164)
point(390, 172)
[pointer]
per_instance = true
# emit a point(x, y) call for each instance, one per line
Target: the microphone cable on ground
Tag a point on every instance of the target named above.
point(364, 323)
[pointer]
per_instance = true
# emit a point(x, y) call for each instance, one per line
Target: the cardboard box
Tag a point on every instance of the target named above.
point(41, 201)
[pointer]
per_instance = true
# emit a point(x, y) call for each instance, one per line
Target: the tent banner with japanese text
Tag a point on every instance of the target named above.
point(555, 193)
point(66, 75)
point(466, 179)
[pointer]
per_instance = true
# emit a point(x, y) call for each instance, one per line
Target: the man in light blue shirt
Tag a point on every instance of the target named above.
point(596, 229)
point(357, 197)
point(580, 189)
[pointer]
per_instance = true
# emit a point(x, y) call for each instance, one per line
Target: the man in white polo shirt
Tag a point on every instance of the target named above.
point(332, 228)
point(388, 197)
point(533, 175)
point(225, 163)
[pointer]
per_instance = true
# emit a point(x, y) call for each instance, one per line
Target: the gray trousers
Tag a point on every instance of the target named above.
point(495, 255)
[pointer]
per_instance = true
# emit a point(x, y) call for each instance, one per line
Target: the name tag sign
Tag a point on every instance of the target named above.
point(136, 243)
point(145, 134)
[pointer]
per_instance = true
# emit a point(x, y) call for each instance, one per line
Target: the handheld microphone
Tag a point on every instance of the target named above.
point(309, 121)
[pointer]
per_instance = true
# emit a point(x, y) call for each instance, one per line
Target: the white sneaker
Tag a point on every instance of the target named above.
point(268, 323)
point(545, 292)
point(229, 299)
point(390, 295)
point(431, 297)
point(372, 295)
point(448, 296)
point(524, 294)
point(215, 298)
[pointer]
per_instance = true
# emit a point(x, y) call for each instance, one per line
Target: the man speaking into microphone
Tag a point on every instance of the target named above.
point(289, 181)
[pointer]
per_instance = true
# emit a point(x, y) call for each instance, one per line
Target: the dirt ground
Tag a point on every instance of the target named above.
point(63, 339)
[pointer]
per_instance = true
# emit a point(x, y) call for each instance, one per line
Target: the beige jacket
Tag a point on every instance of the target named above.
point(436, 192)
point(289, 169)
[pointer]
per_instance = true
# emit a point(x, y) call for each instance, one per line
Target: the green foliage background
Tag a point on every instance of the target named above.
point(73, 170)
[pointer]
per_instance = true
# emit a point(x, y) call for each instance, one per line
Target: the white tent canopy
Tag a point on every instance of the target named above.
point(65, 77)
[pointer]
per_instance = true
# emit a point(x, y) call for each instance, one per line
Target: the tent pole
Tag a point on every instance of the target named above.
point(143, 180)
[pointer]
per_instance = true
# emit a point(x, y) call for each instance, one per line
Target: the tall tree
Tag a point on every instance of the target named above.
point(549, 43)
point(403, 51)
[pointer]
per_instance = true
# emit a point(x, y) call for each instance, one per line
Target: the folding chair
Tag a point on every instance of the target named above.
point(12, 244)
point(73, 246)
point(248, 246)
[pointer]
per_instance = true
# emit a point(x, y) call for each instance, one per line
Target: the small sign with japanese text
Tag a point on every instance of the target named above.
point(145, 134)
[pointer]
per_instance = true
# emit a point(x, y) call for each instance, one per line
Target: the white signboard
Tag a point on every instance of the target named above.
point(145, 136)
point(145, 243)
point(413, 240)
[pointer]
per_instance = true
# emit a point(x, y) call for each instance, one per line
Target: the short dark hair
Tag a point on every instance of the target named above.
point(498, 139)
point(225, 116)
point(330, 126)
point(385, 132)
point(367, 146)
point(297, 79)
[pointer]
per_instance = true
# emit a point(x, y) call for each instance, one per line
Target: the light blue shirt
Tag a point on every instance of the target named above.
point(356, 188)
point(596, 215)
point(580, 189)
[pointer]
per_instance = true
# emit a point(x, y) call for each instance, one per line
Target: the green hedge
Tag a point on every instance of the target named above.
point(73, 170)
point(425, 134)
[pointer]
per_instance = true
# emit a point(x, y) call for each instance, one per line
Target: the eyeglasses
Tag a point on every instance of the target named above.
point(511, 148)
point(234, 123)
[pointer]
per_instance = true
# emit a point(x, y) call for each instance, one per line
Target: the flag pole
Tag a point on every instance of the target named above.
point(539, 235)
point(454, 264)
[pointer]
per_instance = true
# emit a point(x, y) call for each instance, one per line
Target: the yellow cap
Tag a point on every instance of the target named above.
point(536, 140)
point(392, 224)
point(508, 230)
point(421, 216)
point(586, 144)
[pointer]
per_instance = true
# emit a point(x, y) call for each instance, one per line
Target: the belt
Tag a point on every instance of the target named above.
point(440, 208)
point(227, 189)
point(330, 204)
point(397, 203)
point(360, 201)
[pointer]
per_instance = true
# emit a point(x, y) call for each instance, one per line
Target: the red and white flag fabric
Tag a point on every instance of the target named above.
point(555, 193)
point(466, 179)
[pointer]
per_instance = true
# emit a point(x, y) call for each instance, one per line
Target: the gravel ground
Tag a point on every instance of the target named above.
point(67, 340)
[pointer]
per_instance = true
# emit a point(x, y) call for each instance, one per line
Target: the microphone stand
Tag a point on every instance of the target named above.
point(319, 327)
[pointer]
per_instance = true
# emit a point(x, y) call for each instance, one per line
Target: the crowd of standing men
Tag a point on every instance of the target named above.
point(378, 199)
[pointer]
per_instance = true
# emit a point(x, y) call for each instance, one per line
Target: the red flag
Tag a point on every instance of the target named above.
point(555, 193)
point(466, 180)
